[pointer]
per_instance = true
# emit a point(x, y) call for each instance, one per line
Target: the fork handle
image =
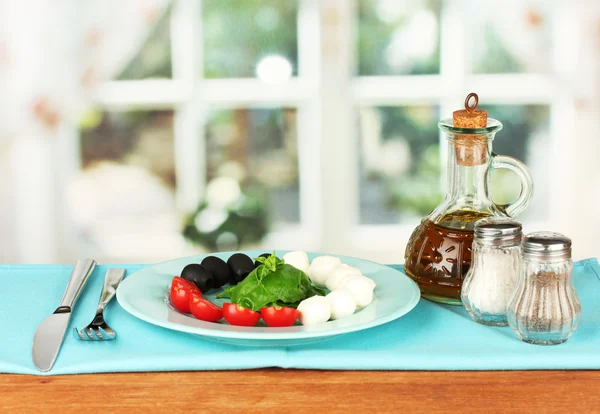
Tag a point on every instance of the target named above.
point(79, 276)
point(111, 282)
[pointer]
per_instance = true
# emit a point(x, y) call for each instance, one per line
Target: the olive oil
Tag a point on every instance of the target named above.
point(438, 255)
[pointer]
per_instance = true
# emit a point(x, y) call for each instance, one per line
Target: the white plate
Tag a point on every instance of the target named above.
point(142, 294)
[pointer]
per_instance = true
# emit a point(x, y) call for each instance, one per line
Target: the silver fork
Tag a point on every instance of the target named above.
point(98, 330)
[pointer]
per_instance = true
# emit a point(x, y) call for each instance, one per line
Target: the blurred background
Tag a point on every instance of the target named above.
point(146, 130)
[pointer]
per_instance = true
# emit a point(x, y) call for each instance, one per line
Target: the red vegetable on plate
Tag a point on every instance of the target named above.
point(204, 309)
point(279, 316)
point(181, 292)
point(240, 316)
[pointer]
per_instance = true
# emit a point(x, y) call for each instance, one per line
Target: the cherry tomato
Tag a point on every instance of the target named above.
point(181, 291)
point(279, 316)
point(204, 309)
point(238, 315)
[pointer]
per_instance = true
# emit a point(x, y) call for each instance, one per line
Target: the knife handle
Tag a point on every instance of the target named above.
point(79, 276)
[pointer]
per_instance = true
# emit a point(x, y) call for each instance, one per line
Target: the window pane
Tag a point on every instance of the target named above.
point(524, 136)
point(138, 139)
point(243, 37)
point(122, 204)
point(511, 36)
point(398, 37)
point(154, 58)
point(258, 148)
point(400, 163)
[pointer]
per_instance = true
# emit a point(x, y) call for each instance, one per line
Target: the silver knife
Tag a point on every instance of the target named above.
point(51, 332)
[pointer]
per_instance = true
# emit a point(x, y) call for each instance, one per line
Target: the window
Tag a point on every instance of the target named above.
point(240, 36)
point(525, 48)
point(400, 163)
point(330, 110)
point(154, 58)
point(259, 148)
point(143, 139)
point(398, 39)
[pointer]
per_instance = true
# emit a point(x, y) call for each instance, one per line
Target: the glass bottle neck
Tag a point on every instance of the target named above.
point(467, 185)
point(467, 196)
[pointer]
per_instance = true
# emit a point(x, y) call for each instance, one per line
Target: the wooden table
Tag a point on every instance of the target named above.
point(305, 391)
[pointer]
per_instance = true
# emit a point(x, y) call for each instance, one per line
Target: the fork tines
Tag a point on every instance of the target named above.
point(96, 333)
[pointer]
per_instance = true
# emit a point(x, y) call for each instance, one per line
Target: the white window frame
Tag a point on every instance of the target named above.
point(327, 94)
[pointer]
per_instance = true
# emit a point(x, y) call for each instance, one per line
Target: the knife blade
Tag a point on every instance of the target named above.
point(50, 334)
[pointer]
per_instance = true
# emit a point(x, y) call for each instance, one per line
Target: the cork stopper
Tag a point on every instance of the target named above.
point(470, 117)
point(471, 150)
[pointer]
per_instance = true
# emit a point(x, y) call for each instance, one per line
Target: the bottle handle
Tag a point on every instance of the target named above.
point(517, 206)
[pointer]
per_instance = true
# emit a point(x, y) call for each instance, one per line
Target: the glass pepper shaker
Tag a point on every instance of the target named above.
point(492, 279)
point(545, 309)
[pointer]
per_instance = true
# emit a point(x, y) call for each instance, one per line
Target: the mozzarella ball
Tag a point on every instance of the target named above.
point(314, 310)
point(370, 281)
point(297, 259)
point(321, 268)
point(342, 304)
point(346, 278)
point(361, 289)
point(338, 274)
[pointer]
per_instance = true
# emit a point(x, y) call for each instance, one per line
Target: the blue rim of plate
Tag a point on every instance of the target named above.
point(226, 331)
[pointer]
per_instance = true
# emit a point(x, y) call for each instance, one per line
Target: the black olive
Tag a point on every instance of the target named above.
point(241, 266)
point(199, 276)
point(219, 269)
point(256, 264)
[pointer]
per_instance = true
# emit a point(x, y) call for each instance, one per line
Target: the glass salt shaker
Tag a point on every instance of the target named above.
point(494, 272)
point(545, 309)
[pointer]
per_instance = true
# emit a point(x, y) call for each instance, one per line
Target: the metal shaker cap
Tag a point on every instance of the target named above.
point(498, 231)
point(546, 246)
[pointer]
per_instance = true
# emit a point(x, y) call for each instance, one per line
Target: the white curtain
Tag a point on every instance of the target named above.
point(52, 55)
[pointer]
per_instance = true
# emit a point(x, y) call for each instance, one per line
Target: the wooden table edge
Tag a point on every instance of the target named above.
point(275, 389)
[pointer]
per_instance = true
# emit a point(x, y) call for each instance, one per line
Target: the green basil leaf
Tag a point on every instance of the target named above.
point(273, 282)
point(226, 293)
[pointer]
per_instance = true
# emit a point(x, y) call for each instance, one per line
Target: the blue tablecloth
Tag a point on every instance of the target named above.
point(431, 337)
